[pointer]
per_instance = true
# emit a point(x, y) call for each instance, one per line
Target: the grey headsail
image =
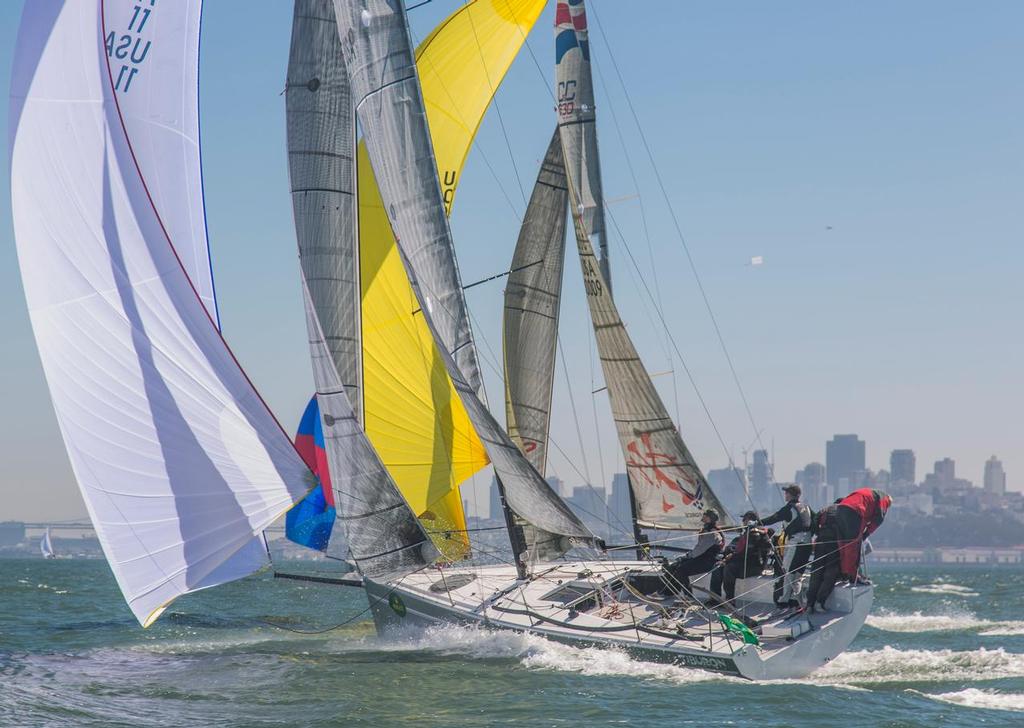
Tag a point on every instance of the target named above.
point(532, 298)
point(383, 535)
point(576, 120)
point(389, 105)
point(321, 141)
point(670, 490)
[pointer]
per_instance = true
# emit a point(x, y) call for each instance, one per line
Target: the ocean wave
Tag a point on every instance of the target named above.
point(949, 622)
point(889, 665)
point(954, 590)
point(977, 698)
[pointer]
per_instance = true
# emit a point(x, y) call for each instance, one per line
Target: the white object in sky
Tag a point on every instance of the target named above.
point(179, 461)
point(757, 260)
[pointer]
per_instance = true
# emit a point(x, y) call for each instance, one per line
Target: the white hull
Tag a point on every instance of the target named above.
point(585, 603)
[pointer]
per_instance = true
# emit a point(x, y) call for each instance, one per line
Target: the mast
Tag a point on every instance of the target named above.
point(577, 121)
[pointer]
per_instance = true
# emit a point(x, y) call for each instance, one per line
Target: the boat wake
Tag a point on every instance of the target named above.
point(891, 665)
point(850, 670)
point(950, 622)
point(977, 698)
point(953, 590)
point(538, 653)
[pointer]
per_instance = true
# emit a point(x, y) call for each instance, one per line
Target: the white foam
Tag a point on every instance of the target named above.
point(918, 622)
point(889, 665)
point(537, 653)
point(955, 590)
point(976, 698)
point(954, 621)
point(1004, 629)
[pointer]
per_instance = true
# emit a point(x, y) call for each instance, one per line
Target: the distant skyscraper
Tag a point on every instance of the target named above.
point(995, 477)
point(945, 471)
point(844, 460)
point(557, 484)
point(730, 485)
point(496, 513)
point(619, 504)
point(761, 481)
point(902, 467)
point(816, 492)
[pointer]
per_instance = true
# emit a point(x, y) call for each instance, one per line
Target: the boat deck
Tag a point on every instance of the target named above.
point(600, 602)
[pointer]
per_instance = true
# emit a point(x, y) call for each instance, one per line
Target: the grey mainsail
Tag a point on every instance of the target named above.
point(669, 488)
point(321, 141)
point(383, 535)
point(577, 121)
point(532, 299)
point(389, 104)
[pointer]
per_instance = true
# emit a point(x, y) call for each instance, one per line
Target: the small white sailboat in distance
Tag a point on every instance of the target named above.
point(46, 545)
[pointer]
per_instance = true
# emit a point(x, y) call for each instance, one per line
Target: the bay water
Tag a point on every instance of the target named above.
point(943, 647)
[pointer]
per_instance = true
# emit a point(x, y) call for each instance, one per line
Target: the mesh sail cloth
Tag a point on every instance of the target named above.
point(321, 153)
point(532, 297)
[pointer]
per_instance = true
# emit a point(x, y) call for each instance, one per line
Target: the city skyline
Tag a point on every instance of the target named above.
point(878, 188)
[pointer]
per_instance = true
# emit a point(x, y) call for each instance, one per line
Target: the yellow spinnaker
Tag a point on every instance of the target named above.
point(413, 416)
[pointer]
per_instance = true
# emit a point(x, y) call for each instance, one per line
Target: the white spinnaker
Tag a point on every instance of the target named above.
point(153, 51)
point(154, 59)
point(178, 459)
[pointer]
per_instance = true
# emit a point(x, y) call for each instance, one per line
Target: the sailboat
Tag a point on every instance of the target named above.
point(181, 463)
point(46, 545)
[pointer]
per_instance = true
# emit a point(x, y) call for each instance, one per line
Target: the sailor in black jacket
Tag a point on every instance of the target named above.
point(797, 517)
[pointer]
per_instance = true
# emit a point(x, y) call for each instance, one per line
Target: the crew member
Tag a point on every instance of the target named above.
point(825, 566)
point(745, 556)
point(858, 515)
point(701, 558)
point(797, 519)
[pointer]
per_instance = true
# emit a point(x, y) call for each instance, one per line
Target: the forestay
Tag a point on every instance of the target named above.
point(532, 298)
point(576, 120)
point(389, 105)
point(178, 459)
point(383, 536)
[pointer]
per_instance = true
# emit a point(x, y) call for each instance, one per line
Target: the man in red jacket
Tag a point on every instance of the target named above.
point(858, 515)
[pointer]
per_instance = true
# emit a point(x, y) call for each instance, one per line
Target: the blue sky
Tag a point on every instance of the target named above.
point(897, 125)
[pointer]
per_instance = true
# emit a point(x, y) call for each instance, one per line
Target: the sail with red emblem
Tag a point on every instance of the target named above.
point(669, 488)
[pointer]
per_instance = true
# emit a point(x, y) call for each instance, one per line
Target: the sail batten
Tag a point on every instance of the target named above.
point(375, 39)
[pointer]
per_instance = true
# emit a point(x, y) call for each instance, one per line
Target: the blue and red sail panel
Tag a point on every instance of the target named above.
point(310, 522)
